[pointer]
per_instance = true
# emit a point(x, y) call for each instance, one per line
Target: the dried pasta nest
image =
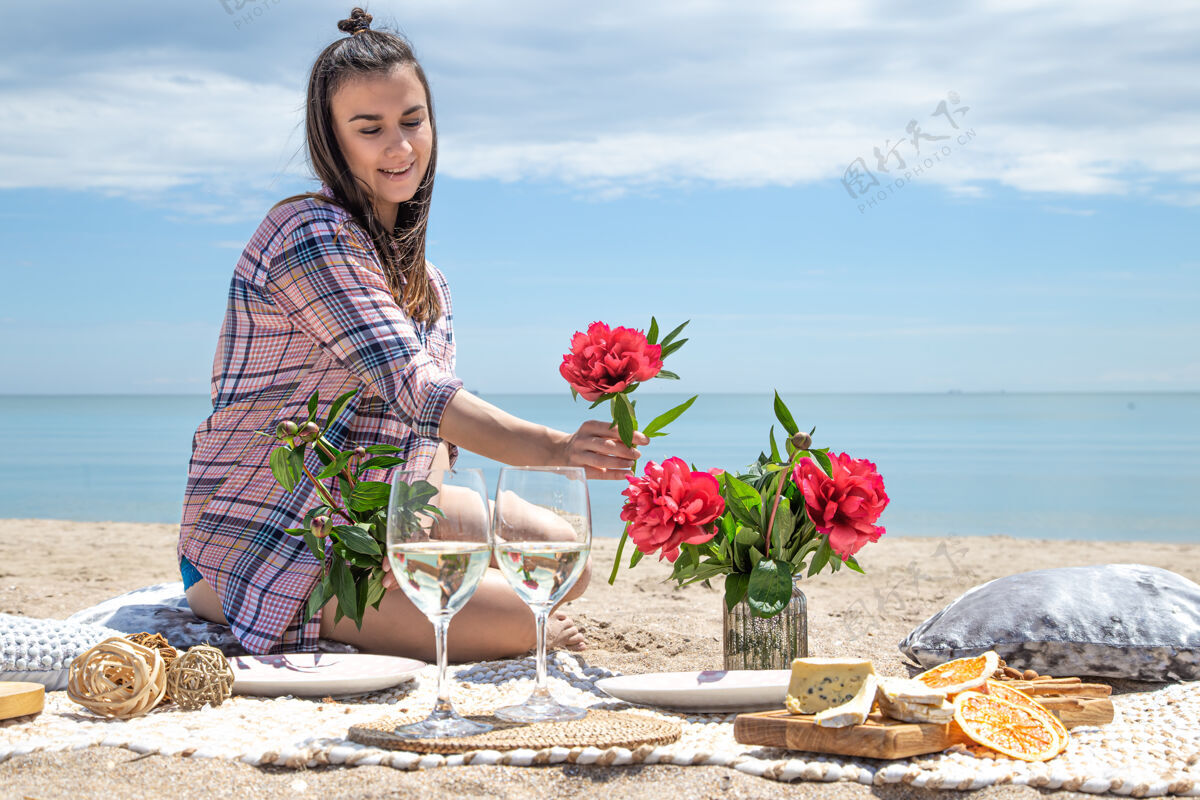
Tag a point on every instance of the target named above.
point(117, 678)
point(201, 676)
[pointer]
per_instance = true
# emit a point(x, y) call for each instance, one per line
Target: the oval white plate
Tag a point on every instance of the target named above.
point(319, 674)
point(712, 691)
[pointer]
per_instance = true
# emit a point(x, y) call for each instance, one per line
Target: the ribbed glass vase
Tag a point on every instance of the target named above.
point(752, 642)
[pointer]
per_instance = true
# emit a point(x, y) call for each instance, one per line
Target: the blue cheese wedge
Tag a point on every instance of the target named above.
point(854, 711)
point(820, 684)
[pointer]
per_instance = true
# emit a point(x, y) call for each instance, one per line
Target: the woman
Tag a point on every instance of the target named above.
point(333, 293)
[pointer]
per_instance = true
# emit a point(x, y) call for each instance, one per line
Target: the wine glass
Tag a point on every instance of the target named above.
point(542, 531)
point(439, 545)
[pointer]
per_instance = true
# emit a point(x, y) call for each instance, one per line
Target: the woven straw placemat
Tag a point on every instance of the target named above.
point(600, 729)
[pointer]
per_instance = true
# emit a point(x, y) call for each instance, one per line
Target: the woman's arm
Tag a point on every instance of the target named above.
point(482, 428)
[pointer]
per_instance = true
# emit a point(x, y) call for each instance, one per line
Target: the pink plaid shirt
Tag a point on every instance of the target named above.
point(309, 310)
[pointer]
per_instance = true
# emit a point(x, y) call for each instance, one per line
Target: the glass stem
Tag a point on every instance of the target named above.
point(442, 708)
point(539, 687)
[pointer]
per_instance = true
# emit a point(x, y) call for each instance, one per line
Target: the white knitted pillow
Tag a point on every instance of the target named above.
point(41, 650)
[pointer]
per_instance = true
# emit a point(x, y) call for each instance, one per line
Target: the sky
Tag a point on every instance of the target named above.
point(694, 160)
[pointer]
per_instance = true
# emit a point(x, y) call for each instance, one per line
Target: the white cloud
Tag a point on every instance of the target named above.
point(1075, 98)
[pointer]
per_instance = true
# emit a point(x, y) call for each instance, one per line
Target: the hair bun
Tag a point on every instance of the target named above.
point(358, 22)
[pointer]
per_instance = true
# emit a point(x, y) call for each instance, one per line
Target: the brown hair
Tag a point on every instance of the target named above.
point(402, 249)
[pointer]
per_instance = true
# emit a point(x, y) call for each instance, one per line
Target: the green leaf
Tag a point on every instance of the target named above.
point(736, 586)
point(321, 594)
point(774, 447)
point(852, 563)
point(379, 462)
point(770, 587)
point(705, 571)
point(667, 417)
point(280, 469)
point(785, 416)
point(672, 347)
point(670, 337)
point(296, 464)
point(652, 336)
point(336, 466)
point(822, 458)
point(623, 415)
point(358, 539)
point(745, 542)
point(635, 558)
point(312, 406)
point(375, 590)
point(361, 590)
point(821, 558)
point(667, 375)
point(383, 449)
point(315, 546)
point(370, 495)
point(336, 408)
point(738, 510)
point(343, 586)
point(785, 523)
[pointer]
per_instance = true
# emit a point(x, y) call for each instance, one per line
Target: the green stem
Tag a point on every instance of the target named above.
point(325, 495)
point(612, 577)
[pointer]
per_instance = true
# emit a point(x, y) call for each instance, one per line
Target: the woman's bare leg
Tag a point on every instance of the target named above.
point(494, 623)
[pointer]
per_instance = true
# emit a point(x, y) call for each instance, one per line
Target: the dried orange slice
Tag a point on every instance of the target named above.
point(1019, 698)
point(962, 673)
point(1006, 727)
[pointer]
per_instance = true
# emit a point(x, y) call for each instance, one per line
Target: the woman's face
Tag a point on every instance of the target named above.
point(382, 126)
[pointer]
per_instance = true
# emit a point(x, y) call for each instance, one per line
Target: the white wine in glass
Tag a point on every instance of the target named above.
point(439, 545)
point(542, 531)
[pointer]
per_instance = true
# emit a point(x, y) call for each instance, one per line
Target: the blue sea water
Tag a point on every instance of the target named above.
point(1052, 466)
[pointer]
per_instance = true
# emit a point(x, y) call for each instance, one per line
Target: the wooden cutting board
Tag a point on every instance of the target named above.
point(882, 737)
point(19, 699)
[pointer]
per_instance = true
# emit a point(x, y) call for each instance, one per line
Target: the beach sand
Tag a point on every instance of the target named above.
point(642, 624)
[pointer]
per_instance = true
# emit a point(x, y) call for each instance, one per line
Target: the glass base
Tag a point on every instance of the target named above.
point(537, 709)
point(441, 727)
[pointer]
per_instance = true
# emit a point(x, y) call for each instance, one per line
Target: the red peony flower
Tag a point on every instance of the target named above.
point(844, 506)
point(670, 506)
point(603, 360)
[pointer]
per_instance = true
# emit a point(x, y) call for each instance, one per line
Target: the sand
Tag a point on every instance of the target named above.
point(642, 624)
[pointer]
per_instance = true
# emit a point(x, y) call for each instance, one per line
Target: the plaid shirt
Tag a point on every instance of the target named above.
point(309, 310)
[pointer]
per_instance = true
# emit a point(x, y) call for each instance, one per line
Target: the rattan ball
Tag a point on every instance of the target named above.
point(156, 641)
point(117, 678)
point(201, 676)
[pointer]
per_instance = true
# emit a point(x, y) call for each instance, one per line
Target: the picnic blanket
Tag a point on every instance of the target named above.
point(1151, 749)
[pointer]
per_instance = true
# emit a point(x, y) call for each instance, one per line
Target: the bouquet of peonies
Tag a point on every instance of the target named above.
point(779, 520)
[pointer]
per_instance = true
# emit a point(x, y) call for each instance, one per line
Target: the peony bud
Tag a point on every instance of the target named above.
point(802, 441)
point(310, 432)
point(286, 429)
point(360, 452)
point(319, 527)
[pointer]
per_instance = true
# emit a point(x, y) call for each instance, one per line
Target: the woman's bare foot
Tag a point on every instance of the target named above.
point(561, 633)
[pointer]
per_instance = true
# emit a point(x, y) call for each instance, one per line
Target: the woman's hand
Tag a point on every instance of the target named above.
point(482, 428)
point(598, 448)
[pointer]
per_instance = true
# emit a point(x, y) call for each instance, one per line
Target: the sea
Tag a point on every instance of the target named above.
point(1114, 466)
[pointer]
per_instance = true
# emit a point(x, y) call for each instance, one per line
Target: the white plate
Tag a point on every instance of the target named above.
point(714, 691)
point(319, 674)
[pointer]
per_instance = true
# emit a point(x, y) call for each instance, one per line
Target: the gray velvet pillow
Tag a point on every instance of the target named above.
point(1111, 620)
